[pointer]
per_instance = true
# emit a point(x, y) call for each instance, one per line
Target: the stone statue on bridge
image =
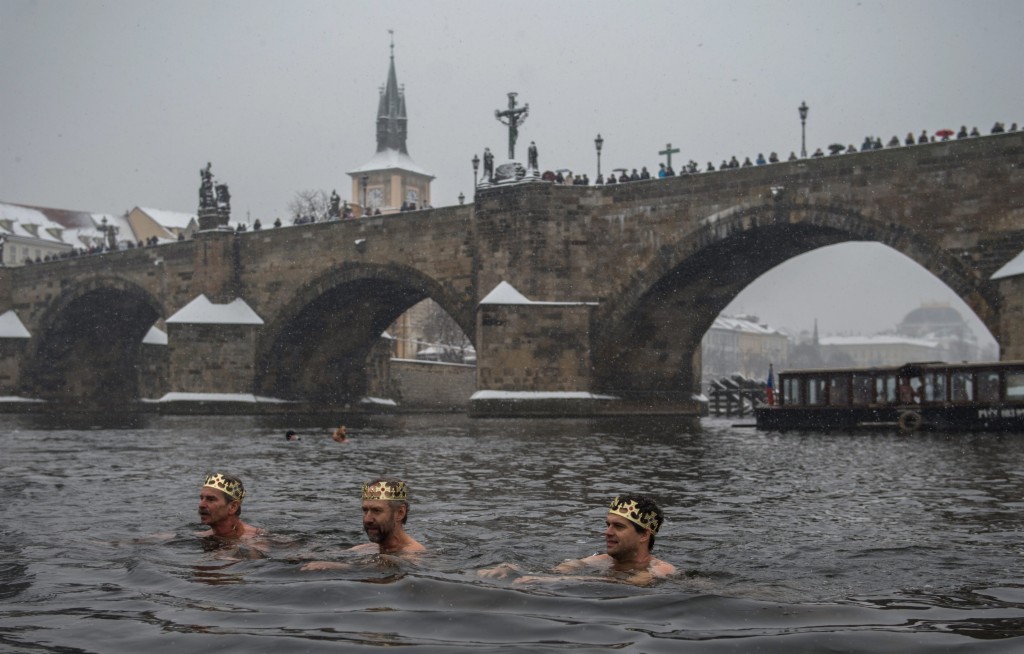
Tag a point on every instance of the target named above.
point(223, 202)
point(206, 199)
point(488, 165)
point(334, 212)
point(513, 117)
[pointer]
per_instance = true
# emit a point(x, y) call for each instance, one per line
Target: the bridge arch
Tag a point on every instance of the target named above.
point(87, 344)
point(655, 325)
point(316, 346)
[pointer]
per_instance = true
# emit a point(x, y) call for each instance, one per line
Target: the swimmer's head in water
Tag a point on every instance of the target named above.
point(227, 484)
point(638, 509)
point(386, 489)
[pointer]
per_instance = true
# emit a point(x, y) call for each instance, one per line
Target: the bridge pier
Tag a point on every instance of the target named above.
point(533, 358)
point(212, 348)
point(1011, 319)
point(536, 359)
point(12, 353)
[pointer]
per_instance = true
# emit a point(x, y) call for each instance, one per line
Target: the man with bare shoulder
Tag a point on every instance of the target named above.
point(220, 505)
point(385, 511)
point(631, 525)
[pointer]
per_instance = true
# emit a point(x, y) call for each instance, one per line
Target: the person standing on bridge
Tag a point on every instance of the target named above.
point(630, 528)
point(385, 511)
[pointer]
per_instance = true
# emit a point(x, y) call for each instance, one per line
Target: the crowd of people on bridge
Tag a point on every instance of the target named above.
point(692, 167)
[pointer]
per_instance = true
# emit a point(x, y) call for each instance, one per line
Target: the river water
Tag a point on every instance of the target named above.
point(789, 542)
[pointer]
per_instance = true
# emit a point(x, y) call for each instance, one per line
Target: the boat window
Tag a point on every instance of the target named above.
point(1015, 386)
point(910, 390)
point(885, 389)
point(988, 386)
point(839, 391)
point(935, 387)
point(815, 390)
point(863, 389)
point(961, 386)
point(791, 390)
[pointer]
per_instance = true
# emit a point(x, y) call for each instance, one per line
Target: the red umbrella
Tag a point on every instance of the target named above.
point(944, 134)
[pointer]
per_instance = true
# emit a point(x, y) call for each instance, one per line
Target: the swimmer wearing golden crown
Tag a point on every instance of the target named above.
point(220, 505)
point(385, 511)
point(630, 529)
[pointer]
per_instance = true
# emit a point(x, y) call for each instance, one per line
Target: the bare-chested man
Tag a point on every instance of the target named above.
point(631, 525)
point(220, 505)
point(385, 511)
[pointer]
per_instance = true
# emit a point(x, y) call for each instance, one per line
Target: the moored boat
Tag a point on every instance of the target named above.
point(926, 396)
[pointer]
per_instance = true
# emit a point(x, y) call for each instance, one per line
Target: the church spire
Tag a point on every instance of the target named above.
point(391, 118)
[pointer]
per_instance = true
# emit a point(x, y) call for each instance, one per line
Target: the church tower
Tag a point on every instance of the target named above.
point(391, 180)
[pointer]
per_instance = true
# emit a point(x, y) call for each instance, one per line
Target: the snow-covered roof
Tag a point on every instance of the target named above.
point(173, 219)
point(18, 213)
point(505, 293)
point(12, 327)
point(202, 311)
point(878, 339)
point(744, 325)
point(154, 337)
point(389, 158)
point(75, 228)
point(1012, 268)
point(29, 223)
point(83, 236)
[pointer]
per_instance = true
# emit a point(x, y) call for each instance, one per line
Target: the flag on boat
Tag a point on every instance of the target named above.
point(769, 387)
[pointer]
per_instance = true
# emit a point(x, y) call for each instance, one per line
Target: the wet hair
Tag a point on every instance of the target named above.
point(645, 504)
point(392, 482)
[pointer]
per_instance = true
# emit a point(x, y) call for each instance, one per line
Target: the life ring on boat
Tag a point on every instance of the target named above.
point(909, 421)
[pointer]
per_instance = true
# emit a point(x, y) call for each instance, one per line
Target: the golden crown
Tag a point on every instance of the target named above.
point(385, 490)
point(232, 487)
point(630, 511)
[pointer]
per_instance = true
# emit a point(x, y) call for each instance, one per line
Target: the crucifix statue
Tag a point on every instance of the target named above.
point(669, 151)
point(516, 117)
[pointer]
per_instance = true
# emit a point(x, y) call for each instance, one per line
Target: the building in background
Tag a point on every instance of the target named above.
point(742, 345)
point(877, 350)
point(146, 223)
point(427, 333)
point(34, 234)
point(941, 323)
point(391, 181)
point(37, 234)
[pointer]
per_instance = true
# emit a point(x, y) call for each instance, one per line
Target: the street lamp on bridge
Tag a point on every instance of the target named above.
point(803, 128)
point(598, 143)
point(476, 167)
point(109, 234)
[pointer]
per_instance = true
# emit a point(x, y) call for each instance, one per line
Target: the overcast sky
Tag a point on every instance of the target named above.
point(109, 105)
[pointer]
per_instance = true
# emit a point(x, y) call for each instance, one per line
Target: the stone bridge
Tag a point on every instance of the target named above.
point(581, 300)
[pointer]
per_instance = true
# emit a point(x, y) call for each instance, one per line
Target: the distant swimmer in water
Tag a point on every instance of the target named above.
point(385, 511)
point(340, 436)
point(630, 528)
point(291, 436)
point(220, 505)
